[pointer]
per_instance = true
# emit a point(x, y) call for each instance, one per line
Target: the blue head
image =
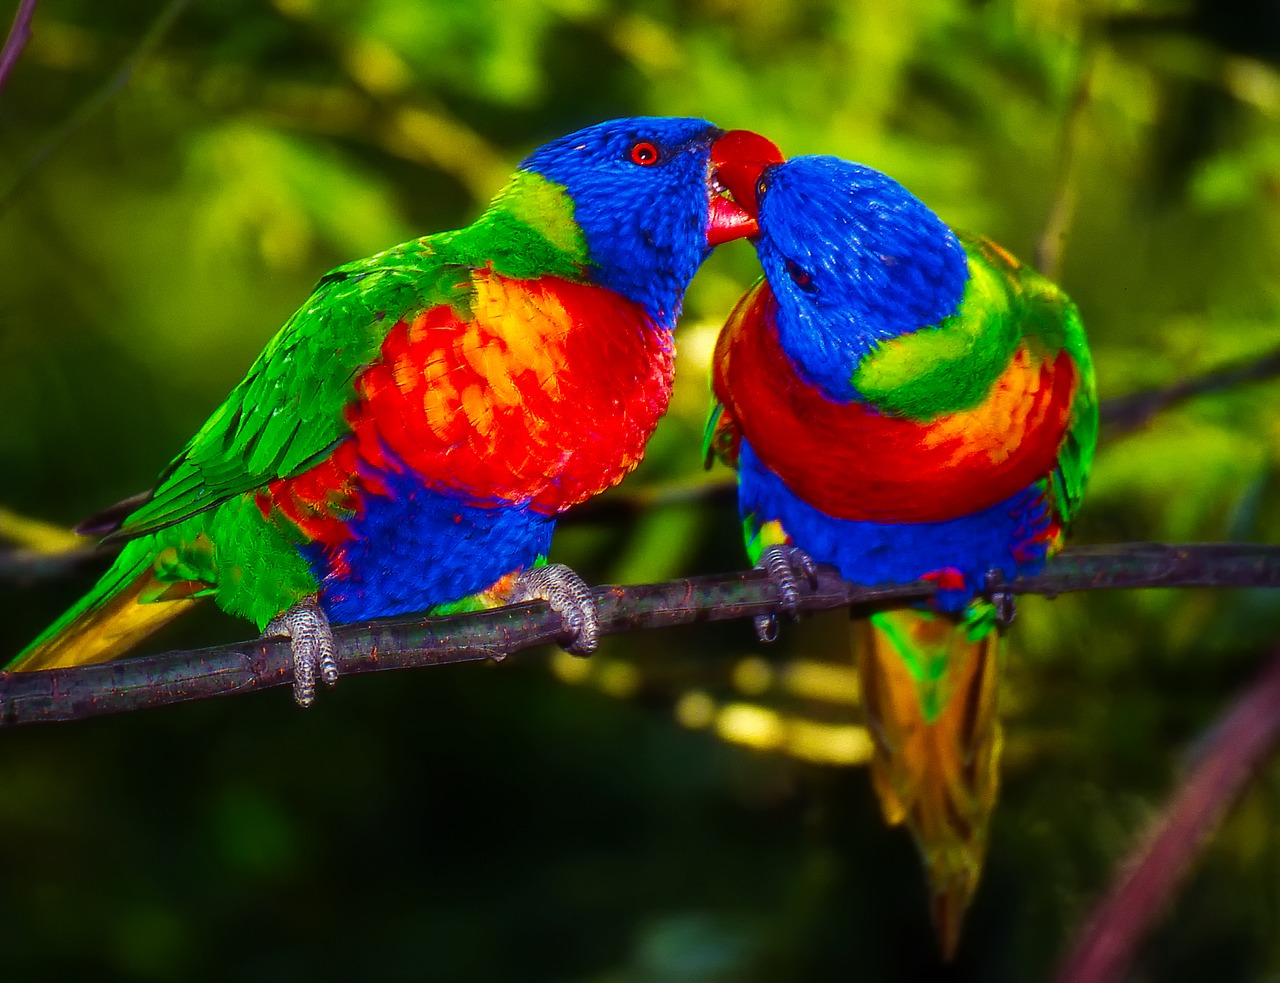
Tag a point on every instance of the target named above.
point(853, 258)
point(645, 197)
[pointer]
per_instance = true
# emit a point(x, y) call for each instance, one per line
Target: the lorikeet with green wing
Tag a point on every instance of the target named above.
point(407, 440)
point(904, 402)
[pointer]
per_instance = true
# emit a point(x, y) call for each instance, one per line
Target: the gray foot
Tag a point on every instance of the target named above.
point(307, 628)
point(569, 596)
point(1005, 602)
point(785, 566)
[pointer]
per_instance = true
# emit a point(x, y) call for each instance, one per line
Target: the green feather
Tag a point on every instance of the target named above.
point(287, 414)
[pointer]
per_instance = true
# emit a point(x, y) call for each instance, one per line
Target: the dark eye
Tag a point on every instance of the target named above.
point(644, 153)
point(800, 276)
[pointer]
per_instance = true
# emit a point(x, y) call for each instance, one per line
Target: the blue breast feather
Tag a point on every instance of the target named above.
point(417, 548)
point(1004, 537)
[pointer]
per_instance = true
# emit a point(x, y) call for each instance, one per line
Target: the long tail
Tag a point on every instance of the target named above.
point(126, 605)
point(929, 693)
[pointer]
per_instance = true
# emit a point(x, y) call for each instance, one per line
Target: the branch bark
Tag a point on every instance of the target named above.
point(1123, 414)
point(175, 677)
point(1239, 743)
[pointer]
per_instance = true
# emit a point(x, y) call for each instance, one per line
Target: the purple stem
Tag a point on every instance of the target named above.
point(1240, 742)
point(19, 34)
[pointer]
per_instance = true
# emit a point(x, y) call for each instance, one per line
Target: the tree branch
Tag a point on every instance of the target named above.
point(19, 35)
point(1237, 745)
point(174, 677)
point(1123, 414)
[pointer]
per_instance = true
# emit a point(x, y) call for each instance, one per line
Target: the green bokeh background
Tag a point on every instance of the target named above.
point(494, 822)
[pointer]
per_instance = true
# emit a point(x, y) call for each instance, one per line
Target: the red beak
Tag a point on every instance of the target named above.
point(737, 160)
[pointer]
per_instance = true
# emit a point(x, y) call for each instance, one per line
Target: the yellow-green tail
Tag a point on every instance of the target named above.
point(125, 606)
point(929, 692)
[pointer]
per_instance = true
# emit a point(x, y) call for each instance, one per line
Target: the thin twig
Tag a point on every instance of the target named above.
point(1123, 414)
point(99, 98)
point(173, 677)
point(19, 35)
point(1238, 744)
point(1049, 247)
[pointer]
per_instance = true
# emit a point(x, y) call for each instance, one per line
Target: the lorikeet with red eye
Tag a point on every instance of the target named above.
point(905, 402)
point(407, 440)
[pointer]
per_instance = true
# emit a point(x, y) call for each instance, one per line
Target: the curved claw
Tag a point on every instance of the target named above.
point(311, 639)
point(766, 626)
point(568, 595)
point(785, 566)
point(1005, 602)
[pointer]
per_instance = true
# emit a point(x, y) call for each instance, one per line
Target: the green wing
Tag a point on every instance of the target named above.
point(287, 413)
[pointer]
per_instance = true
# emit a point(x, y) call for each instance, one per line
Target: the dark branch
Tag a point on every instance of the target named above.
point(1125, 413)
point(19, 35)
point(173, 677)
point(1236, 747)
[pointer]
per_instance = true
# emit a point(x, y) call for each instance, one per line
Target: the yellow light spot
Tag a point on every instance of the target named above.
point(752, 676)
point(1254, 82)
point(822, 681)
point(377, 67)
point(569, 668)
point(830, 744)
point(618, 679)
point(695, 710)
point(754, 726)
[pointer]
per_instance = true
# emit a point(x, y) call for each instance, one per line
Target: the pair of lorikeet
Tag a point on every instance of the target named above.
point(899, 400)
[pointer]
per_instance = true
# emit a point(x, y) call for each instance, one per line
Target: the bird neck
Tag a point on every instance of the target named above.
point(532, 229)
point(527, 232)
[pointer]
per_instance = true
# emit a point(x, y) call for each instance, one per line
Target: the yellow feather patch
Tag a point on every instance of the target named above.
point(104, 632)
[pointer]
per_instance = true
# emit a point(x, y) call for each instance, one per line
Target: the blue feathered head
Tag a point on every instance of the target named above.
point(645, 196)
point(853, 258)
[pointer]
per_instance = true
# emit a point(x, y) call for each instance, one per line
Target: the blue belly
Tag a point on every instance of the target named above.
point(415, 549)
point(1006, 537)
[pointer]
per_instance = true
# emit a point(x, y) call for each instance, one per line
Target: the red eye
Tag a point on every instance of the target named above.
point(644, 153)
point(799, 276)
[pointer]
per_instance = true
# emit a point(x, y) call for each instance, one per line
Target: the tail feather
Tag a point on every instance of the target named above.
point(126, 605)
point(929, 692)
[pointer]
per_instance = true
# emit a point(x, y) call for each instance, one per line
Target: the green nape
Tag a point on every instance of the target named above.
point(527, 231)
point(952, 367)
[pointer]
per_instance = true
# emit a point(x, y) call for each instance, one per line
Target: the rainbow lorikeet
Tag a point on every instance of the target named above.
point(407, 440)
point(905, 402)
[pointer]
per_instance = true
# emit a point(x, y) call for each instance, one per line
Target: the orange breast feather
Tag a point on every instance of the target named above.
point(544, 393)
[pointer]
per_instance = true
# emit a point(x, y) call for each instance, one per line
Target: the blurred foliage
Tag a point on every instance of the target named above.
point(497, 824)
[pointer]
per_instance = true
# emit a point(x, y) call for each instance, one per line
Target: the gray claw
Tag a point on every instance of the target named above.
point(1005, 602)
point(766, 626)
point(568, 596)
point(785, 566)
point(311, 639)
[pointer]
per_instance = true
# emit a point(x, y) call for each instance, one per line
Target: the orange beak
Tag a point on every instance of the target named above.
point(738, 159)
